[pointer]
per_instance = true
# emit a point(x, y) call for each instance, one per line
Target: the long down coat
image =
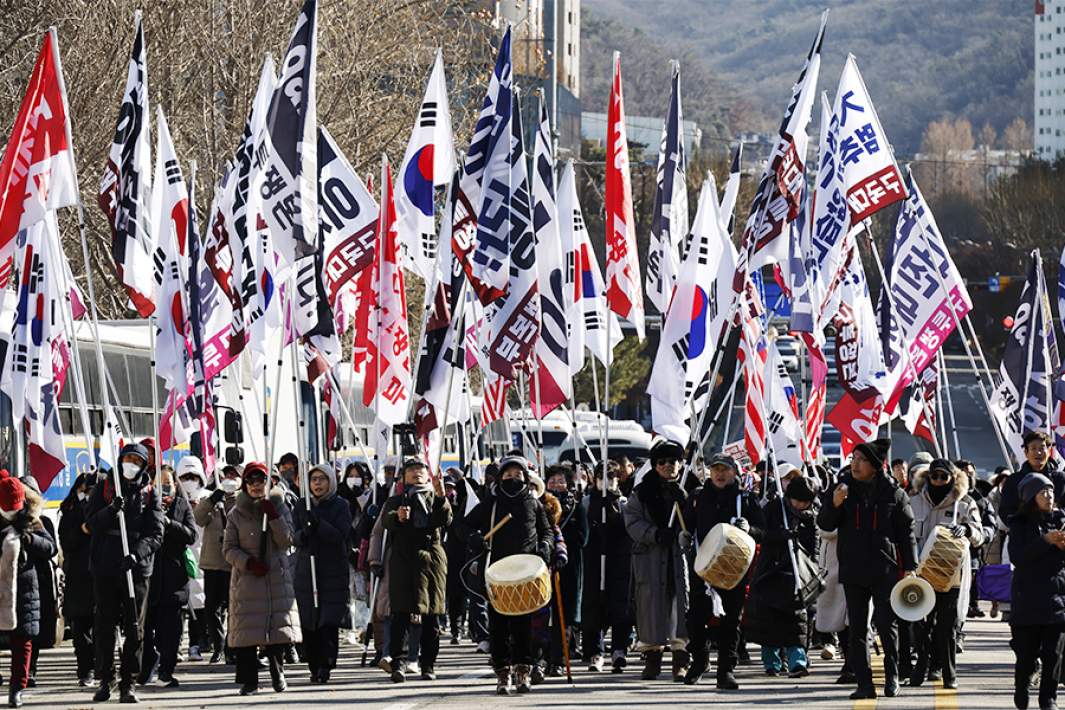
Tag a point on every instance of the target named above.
point(328, 540)
point(262, 610)
point(41, 547)
point(417, 567)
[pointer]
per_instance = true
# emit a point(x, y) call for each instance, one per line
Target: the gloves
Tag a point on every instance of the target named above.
point(371, 511)
point(665, 536)
point(217, 496)
point(557, 562)
point(376, 570)
point(742, 524)
point(477, 542)
point(312, 519)
point(685, 540)
point(959, 530)
point(268, 507)
point(117, 503)
point(129, 562)
point(257, 567)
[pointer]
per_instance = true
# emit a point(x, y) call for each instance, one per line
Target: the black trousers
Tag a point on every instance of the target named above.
point(700, 610)
point(162, 636)
point(426, 647)
point(112, 610)
point(935, 636)
point(597, 619)
point(477, 616)
point(909, 645)
point(215, 606)
point(858, 598)
point(510, 639)
point(321, 647)
point(1043, 643)
point(81, 636)
point(248, 662)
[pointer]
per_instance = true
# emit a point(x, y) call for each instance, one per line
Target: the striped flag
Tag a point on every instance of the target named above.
point(752, 355)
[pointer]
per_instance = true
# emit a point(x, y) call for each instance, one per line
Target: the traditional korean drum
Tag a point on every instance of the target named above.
point(724, 556)
point(518, 584)
point(941, 559)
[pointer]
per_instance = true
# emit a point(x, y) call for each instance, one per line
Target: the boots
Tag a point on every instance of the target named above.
point(652, 665)
point(521, 678)
point(680, 665)
point(277, 673)
point(502, 681)
point(700, 661)
point(726, 680)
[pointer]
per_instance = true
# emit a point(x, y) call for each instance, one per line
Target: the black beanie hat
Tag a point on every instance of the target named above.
point(801, 488)
point(876, 452)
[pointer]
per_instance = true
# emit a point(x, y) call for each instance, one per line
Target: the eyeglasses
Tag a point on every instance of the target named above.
point(1046, 493)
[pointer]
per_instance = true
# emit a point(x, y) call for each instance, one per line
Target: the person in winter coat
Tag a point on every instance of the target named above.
point(415, 521)
point(659, 562)
point(876, 543)
point(193, 481)
point(719, 500)
point(573, 523)
point(77, 580)
point(941, 497)
point(1037, 446)
point(262, 602)
point(210, 514)
point(774, 618)
point(138, 504)
point(24, 542)
point(1036, 546)
point(605, 605)
point(528, 532)
point(48, 585)
point(458, 496)
point(168, 590)
point(322, 532)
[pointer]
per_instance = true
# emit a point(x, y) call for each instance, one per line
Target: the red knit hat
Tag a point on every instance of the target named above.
point(12, 494)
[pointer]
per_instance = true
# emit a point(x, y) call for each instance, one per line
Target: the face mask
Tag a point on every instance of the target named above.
point(512, 486)
point(83, 496)
point(191, 487)
point(354, 483)
point(8, 514)
point(229, 485)
point(130, 471)
point(612, 484)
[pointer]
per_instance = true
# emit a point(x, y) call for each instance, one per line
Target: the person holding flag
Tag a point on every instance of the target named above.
point(139, 502)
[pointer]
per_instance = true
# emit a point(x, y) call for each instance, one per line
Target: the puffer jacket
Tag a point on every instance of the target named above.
point(77, 579)
point(327, 539)
point(875, 525)
point(1038, 584)
point(37, 546)
point(211, 517)
point(262, 610)
point(927, 515)
point(1011, 499)
point(527, 533)
point(170, 579)
point(144, 525)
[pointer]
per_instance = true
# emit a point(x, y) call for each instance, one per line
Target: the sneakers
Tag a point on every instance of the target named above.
point(727, 681)
point(950, 683)
point(502, 681)
point(14, 698)
point(428, 673)
point(412, 668)
point(104, 693)
point(618, 661)
point(864, 693)
point(537, 675)
point(125, 695)
point(596, 665)
point(892, 689)
point(484, 647)
point(799, 672)
point(194, 653)
point(215, 657)
point(454, 640)
point(385, 664)
point(699, 663)
point(398, 676)
point(249, 689)
point(553, 671)
point(521, 678)
point(828, 652)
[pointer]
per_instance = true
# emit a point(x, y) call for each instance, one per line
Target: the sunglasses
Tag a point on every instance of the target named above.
point(253, 480)
point(939, 476)
point(666, 462)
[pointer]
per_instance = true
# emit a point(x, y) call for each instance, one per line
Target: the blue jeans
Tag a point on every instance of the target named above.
point(795, 655)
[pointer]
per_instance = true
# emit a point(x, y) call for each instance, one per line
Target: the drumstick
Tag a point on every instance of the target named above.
point(680, 518)
point(562, 627)
point(495, 528)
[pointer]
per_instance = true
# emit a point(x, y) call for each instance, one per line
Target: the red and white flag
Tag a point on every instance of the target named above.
point(37, 170)
point(752, 354)
point(428, 163)
point(125, 188)
point(388, 373)
point(170, 213)
point(551, 353)
point(623, 292)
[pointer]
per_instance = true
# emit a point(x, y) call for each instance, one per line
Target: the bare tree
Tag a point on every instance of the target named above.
point(1017, 135)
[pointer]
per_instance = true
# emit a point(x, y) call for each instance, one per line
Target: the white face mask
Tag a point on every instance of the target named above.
point(83, 496)
point(130, 471)
point(229, 485)
point(354, 482)
point(8, 514)
point(191, 488)
point(611, 484)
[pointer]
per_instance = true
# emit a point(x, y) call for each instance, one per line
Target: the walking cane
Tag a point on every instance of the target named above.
point(562, 628)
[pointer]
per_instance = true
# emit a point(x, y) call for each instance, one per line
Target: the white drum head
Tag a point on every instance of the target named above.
point(711, 545)
point(515, 569)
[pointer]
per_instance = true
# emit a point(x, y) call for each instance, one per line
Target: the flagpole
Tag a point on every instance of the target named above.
point(347, 415)
point(104, 398)
point(985, 373)
point(457, 328)
point(379, 259)
point(950, 404)
point(155, 405)
point(539, 415)
point(972, 360)
point(941, 419)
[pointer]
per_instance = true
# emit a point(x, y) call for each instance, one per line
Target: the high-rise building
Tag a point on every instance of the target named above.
point(1049, 79)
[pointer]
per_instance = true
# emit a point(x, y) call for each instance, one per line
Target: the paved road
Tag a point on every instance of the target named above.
point(985, 673)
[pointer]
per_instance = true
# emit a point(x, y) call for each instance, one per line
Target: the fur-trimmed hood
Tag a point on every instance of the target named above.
point(960, 488)
point(31, 512)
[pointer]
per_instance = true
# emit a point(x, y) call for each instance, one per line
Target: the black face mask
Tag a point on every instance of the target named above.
point(512, 486)
point(938, 491)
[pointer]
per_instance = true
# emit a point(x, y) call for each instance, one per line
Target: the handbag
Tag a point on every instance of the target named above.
point(811, 578)
point(993, 583)
point(192, 567)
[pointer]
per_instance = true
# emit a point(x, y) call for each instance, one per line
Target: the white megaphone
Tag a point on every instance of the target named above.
point(912, 598)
